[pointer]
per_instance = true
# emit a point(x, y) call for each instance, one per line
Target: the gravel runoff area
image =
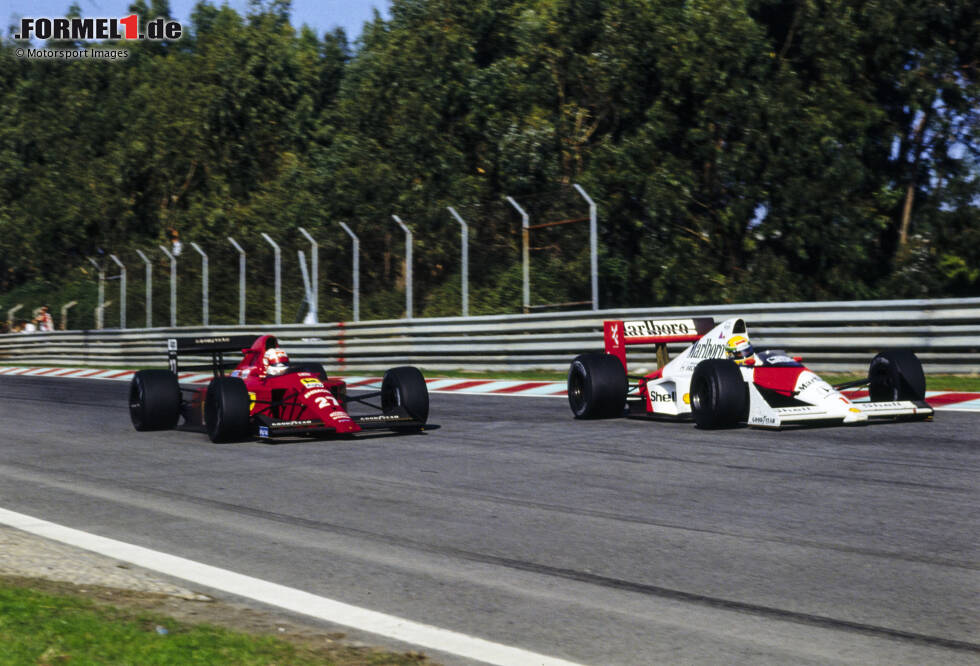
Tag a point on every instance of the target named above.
point(58, 568)
point(25, 555)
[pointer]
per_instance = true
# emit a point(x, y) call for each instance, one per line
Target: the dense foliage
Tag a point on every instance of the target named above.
point(739, 150)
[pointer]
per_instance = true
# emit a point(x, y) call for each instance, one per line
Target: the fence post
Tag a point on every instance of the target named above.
point(101, 302)
point(465, 251)
point(408, 266)
point(149, 289)
point(525, 253)
point(314, 275)
point(100, 313)
point(173, 285)
point(593, 247)
point(357, 271)
point(204, 283)
point(64, 314)
point(122, 290)
point(307, 288)
point(10, 316)
point(278, 274)
point(241, 280)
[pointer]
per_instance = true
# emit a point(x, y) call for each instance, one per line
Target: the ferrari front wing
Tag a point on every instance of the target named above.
point(268, 428)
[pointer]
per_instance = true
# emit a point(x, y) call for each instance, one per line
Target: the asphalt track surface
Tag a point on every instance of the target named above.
point(605, 542)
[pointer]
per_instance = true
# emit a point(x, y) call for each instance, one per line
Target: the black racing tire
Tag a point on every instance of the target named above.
point(597, 386)
point(315, 368)
point(226, 410)
point(154, 400)
point(896, 375)
point(719, 394)
point(405, 386)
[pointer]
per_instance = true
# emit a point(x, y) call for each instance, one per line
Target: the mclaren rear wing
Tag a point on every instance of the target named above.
point(658, 332)
point(216, 346)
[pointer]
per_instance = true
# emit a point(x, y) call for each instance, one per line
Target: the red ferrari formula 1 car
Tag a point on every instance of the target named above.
point(265, 396)
point(720, 381)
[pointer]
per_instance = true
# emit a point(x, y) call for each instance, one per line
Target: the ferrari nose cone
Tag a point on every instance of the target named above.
point(348, 426)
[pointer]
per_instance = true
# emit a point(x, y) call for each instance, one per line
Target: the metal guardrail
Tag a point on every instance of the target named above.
point(831, 336)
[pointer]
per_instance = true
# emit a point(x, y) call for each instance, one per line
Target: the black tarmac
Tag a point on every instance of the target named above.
point(601, 542)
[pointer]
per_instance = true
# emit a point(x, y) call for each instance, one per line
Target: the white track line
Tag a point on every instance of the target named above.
point(289, 598)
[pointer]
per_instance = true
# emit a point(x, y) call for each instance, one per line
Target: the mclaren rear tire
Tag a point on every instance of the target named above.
point(896, 375)
point(405, 386)
point(597, 386)
point(719, 394)
point(226, 410)
point(154, 400)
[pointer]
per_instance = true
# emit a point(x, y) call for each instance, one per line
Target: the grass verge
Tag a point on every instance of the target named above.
point(47, 623)
point(965, 383)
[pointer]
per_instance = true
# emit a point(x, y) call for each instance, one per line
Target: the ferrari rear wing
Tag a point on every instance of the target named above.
point(215, 346)
point(659, 332)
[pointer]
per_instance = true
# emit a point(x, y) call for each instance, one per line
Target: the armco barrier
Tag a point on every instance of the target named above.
point(832, 336)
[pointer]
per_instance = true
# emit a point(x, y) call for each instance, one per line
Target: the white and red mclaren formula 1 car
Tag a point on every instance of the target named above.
point(720, 381)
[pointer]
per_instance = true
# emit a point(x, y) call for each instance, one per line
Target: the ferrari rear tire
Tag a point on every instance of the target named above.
point(405, 386)
point(896, 375)
point(597, 386)
point(226, 410)
point(154, 400)
point(719, 394)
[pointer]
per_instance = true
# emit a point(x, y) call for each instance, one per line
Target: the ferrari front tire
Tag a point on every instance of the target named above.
point(226, 410)
point(405, 386)
point(597, 386)
point(719, 394)
point(154, 400)
point(896, 375)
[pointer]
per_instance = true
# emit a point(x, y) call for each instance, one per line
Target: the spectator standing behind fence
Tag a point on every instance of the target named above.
point(175, 244)
point(44, 320)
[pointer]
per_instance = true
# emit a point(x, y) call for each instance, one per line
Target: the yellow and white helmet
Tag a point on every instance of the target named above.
point(739, 348)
